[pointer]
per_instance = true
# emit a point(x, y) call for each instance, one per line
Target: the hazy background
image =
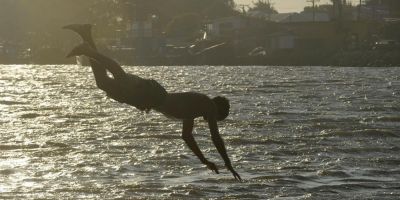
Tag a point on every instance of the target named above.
point(286, 5)
point(155, 32)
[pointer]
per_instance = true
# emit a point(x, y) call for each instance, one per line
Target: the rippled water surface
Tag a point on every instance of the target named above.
point(293, 133)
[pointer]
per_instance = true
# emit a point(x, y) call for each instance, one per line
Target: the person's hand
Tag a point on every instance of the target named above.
point(234, 173)
point(212, 167)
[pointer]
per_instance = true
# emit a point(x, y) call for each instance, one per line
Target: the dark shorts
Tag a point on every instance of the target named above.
point(144, 94)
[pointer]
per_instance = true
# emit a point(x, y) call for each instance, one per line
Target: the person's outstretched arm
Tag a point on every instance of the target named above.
point(187, 136)
point(219, 144)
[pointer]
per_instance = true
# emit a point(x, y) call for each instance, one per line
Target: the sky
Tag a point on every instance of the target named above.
point(284, 6)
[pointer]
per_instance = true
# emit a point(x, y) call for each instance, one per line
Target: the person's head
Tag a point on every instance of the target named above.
point(223, 106)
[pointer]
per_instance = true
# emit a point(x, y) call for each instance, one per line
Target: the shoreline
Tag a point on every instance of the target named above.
point(356, 58)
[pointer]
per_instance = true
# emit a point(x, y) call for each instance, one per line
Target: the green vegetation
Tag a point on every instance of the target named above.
point(186, 25)
point(263, 6)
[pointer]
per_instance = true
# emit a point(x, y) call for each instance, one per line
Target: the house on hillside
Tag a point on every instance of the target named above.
point(140, 43)
point(141, 29)
point(226, 27)
point(291, 17)
point(375, 11)
point(299, 31)
point(146, 37)
point(300, 17)
point(283, 40)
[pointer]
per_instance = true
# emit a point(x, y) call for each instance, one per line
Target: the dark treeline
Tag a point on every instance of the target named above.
point(21, 18)
point(37, 24)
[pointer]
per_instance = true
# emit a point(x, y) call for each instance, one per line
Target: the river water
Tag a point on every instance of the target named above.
point(293, 133)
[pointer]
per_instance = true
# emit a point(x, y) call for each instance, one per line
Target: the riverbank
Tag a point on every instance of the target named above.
point(359, 58)
point(369, 58)
point(355, 58)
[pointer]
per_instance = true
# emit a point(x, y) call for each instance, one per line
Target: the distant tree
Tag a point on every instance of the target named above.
point(217, 9)
point(343, 9)
point(326, 8)
point(185, 25)
point(264, 6)
point(37, 23)
point(229, 3)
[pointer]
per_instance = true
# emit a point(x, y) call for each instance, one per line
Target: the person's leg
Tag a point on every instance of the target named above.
point(84, 31)
point(99, 69)
point(100, 73)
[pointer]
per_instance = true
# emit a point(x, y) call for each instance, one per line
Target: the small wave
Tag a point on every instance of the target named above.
point(363, 133)
point(53, 83)
point(14, 147)
point(346, 187)
point(29, 115)
point(242, 196)
point(336, 81)
point(166, 136)
point(322, 126)
point(385, 173)
point(389, 119)
point(361, 180)
point(308, 96)
point(240, 141)
point(269, 177)
point(7, 172)
point(380, 108)
point(50, 108)
point(292, 168)
point(80, 116)
point(319, 120)
point(390, 161)
point(335, 173)
point(56, 144)
point(310, 81)
point(292, 113)
point(4, 102)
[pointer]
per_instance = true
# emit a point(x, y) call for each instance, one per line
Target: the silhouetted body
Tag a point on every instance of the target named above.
point(144, 94)
point(148, 94)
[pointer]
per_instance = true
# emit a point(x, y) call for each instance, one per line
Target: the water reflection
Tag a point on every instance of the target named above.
point(294, 132)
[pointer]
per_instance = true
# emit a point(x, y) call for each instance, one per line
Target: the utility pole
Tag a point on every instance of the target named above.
point(340, 9)
point(313, 7)
point(359, 11)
